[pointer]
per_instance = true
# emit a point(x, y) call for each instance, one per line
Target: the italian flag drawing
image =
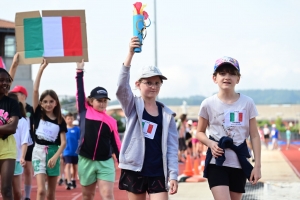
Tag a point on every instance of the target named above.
point(235, 118)
point(149, 129)
point(58, 36)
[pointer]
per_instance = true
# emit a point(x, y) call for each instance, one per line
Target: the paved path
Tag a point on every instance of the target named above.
point(278, 178)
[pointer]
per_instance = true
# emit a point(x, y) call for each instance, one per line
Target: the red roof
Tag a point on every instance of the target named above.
point(6, 24)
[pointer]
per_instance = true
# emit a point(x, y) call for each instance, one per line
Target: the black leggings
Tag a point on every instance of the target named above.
point(7, 168)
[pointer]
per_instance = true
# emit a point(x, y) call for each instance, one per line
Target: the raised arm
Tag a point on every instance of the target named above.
point(124, 93)
point(36, 84)
point(80, 96)
point(14, 66)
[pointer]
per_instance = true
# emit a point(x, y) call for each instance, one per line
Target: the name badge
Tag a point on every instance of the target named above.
point(235, 118)
point(47, 131)
point(149, 129)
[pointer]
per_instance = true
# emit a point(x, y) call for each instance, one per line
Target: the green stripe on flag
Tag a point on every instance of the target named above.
point(232, 117)
point(33, 37)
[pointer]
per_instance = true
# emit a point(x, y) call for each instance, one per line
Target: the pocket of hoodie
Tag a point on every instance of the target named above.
point(129, 153)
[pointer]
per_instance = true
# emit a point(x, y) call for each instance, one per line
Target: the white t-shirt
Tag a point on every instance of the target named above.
point(232, 119)
point(266, 131)
point(21, 136)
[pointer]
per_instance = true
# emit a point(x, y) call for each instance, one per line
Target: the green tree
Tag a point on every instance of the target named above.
point(120, 122)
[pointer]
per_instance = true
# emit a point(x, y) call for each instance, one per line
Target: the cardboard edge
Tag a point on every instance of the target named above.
point(51, 13)
point(29, 61)
point(19, 34)
point(19, 17)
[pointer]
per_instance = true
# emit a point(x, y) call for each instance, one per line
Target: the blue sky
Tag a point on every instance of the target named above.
point(262, 35)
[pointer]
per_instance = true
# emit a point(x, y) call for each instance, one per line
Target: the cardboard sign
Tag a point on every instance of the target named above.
point(58, 36)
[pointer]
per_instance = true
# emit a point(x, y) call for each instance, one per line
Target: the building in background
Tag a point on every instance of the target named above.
point(7, 51)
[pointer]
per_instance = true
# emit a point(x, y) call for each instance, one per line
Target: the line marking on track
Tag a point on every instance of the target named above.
point(77, 196)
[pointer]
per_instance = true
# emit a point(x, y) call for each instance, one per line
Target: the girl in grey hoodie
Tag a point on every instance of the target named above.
point(148, 155)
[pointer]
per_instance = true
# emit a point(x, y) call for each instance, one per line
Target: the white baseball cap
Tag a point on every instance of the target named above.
point(151, 71)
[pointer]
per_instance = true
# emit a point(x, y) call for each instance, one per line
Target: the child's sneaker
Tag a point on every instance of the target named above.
point(69, 186)
point(60, 182)
point(74, 183)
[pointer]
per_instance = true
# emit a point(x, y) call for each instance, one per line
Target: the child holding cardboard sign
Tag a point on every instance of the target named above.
point(50, 137)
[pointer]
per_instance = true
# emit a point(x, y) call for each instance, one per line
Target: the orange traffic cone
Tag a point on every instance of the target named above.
point(197, 177)
point(188, 167)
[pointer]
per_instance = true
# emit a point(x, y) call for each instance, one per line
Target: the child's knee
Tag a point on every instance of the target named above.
point(18, 194)
point(41, 192)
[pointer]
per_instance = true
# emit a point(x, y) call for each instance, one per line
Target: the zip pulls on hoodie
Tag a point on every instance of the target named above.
point(97, 140)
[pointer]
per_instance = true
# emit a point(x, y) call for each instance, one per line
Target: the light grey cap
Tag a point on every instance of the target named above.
point(151, 71)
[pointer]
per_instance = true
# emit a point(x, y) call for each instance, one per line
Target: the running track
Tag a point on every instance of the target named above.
point(292, 157)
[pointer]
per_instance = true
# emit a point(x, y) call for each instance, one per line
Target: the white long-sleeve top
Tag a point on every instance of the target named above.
point(21, 136)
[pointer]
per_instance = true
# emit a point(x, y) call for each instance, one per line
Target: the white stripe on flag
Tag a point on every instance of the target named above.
point(236, 117)
point(53, 36)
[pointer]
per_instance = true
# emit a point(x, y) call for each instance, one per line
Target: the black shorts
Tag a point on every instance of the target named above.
point(134, 182)
point(70, 160)
point(181, 144)
point(28, 156)
point(232, 177)
point(267, 136)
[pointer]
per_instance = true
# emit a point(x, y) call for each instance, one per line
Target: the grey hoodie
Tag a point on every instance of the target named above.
point(132, 151)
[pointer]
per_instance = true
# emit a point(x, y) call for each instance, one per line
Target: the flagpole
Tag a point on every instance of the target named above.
point(155, 36)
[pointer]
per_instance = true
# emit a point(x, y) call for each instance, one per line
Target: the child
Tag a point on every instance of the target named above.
point(229, 118)
point(50, 138)
point(21, 137)
point(21, 92)
point(182, 147)
point(195, 141)
point(275, 136)
point(288, 137)
point(99, 139)
point(148, 156)
point(266, 131)
point(69, 155)
point(9, 118)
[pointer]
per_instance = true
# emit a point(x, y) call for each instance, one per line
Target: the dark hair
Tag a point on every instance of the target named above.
point(228, 68)
point(4, 71)
point(183, 117)
point(21, 107)
point(56, 110)
point(69, 115)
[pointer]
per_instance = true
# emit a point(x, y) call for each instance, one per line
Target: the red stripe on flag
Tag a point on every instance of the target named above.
point(150, 127)
point(72, 36)
point(240, 117)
